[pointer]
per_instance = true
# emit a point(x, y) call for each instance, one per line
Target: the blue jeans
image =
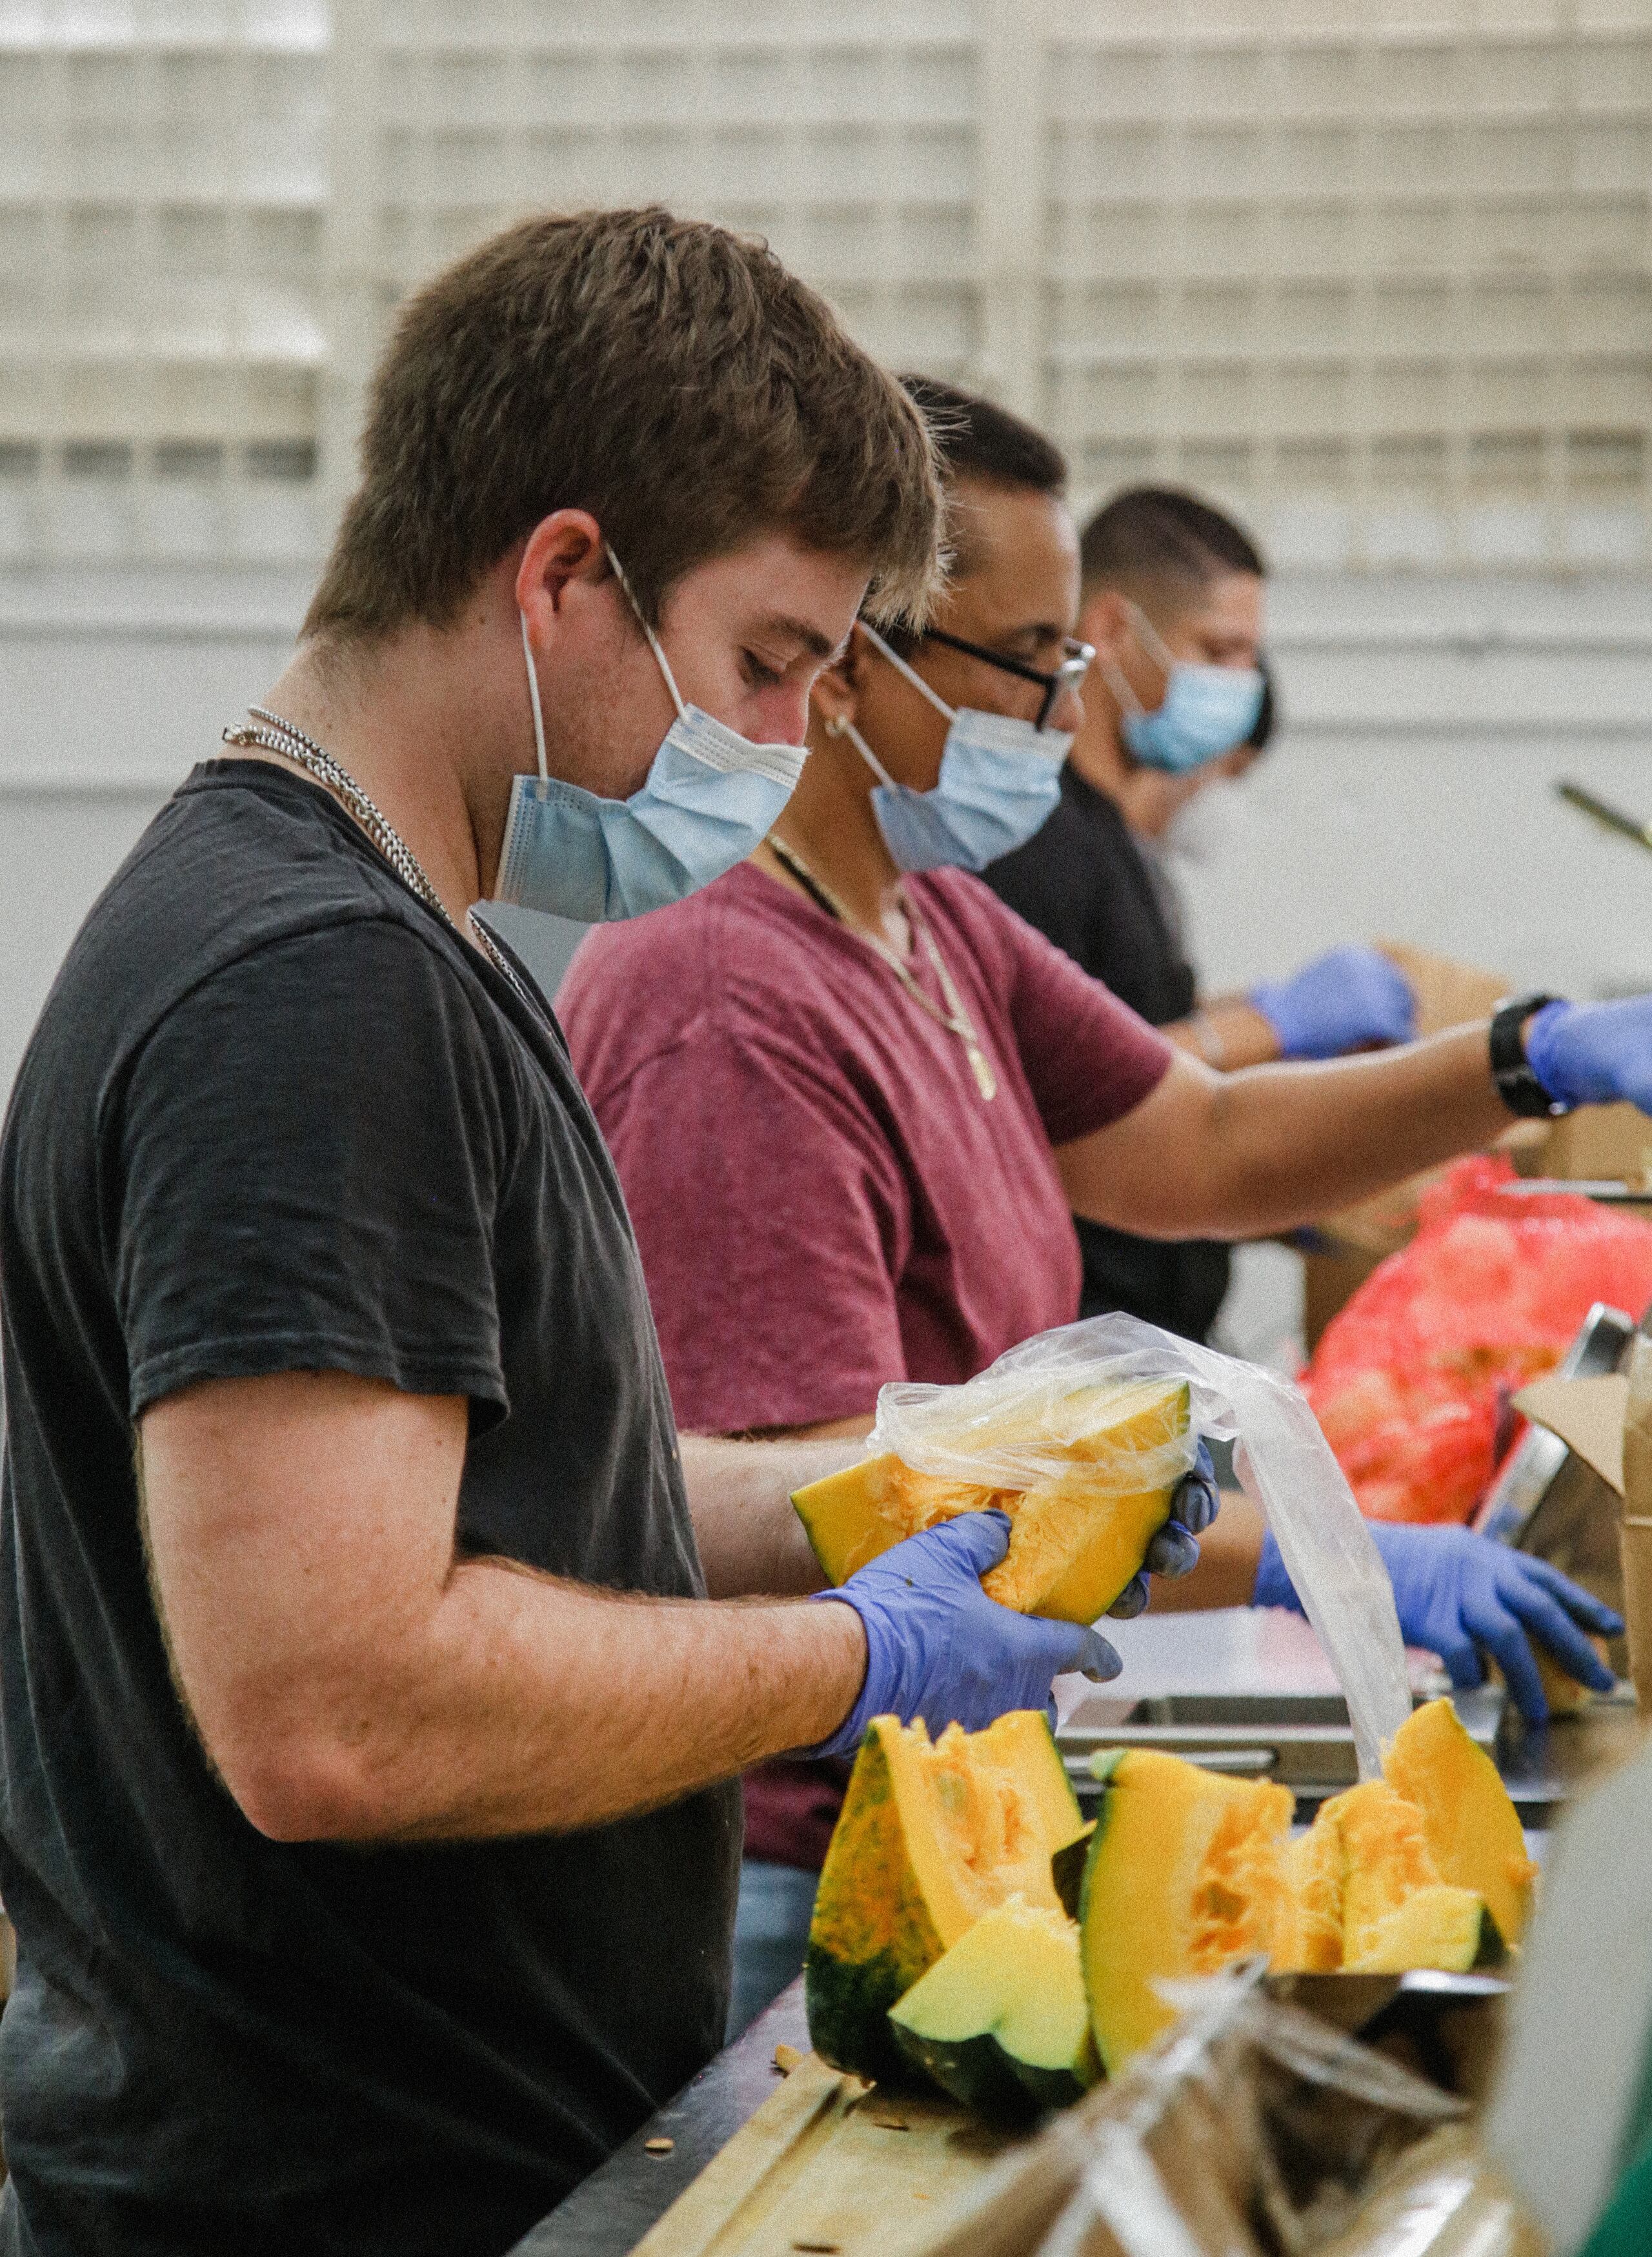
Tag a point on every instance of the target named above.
point(771, 1929)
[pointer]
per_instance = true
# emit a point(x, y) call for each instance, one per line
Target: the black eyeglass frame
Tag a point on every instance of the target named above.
point(1068, 675)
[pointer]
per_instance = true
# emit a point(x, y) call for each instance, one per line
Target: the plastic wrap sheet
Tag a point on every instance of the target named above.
point(1033, 1395)
point(1250, 2129)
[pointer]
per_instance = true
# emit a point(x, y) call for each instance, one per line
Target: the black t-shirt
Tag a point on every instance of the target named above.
point(276, 1116)
point(1086, 885)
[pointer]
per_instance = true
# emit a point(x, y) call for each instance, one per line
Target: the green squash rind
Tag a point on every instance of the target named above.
point(1103, 1767)
point(979, 2073)
point(848, 1993)
point(1494, 1946)
point(1067, 1869)
point(848, 2003)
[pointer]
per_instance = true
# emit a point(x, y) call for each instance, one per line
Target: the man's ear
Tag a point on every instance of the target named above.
point(1103, 620)
point(835, 696)
point(564, 556)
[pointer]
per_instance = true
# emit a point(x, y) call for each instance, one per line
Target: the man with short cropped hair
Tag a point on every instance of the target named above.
point(362, 1819)
point(1172, 598)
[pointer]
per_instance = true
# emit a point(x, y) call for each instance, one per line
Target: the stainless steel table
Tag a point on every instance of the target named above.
point(608, 2213)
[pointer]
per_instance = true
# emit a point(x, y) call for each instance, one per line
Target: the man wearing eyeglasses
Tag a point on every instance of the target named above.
point(854, 1099)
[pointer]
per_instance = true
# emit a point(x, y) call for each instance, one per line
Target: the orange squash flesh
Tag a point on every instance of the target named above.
point(1077, 1538)
point(1184, 1874)
point(1474, 1831)
point(1188, 1870)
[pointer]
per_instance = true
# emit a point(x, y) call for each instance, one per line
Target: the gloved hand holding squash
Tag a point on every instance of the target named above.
point(939, 1648)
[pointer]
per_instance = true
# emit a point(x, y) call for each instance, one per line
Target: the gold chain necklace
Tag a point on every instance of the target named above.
point(954, 1018)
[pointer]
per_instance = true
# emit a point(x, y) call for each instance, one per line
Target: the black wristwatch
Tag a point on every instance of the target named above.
point(1517, 1084)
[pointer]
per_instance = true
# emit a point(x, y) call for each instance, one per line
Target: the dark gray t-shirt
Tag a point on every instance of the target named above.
point(277, 1116)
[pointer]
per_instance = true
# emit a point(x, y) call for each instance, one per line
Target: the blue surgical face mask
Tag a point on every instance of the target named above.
point(1206, 710)
point(709, 797)
point(999, 781)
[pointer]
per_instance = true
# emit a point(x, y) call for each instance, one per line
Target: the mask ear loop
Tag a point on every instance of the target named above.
point(946, 711)
point(843, 726)
point(534, 698)
point(653, 640)
point(1160, 653)
point(1151, 640)
point(1119, 682)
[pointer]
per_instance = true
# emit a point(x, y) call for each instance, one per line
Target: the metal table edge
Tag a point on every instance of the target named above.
point(608, 2213)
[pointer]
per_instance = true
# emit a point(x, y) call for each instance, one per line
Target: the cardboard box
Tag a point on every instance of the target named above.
point(1608, 1422)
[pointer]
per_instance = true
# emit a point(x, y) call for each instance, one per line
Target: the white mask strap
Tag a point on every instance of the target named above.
point(847, 728)
point(1116, 679)
point(899, 664)
point(654, 639)
point(534, 695)
point(1157, 649)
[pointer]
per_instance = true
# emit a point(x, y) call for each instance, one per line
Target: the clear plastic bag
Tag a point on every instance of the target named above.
point(1283, 1460)
point(1251, 2129)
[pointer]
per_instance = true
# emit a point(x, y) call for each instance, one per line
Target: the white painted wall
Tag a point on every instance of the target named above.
point(1410, 796)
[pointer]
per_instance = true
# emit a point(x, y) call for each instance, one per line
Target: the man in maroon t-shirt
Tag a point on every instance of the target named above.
point(854, 1101)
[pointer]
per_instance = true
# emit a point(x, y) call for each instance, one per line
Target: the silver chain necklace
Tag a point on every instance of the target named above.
point(276, 735)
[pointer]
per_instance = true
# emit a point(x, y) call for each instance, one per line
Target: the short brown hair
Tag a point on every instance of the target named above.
point(670, 377)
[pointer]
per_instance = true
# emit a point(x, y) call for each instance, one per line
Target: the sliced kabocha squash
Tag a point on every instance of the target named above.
point(1185, 1873)
point(1396, 1912)
point(1074, 1543)
point(1310, 1940)
point(1436, 1926)
point(1473, 1830)
point(1384, 1855)
point(1000, 2021)
point(930, 1837)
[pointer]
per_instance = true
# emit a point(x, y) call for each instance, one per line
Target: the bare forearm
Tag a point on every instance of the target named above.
point(1239, 1155)
point(532, 1706)
point(352, 1681)
point(752, 1542)
point(1300, 1140)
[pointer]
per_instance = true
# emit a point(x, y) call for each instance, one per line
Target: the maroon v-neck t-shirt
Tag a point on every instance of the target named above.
point(823, 1197)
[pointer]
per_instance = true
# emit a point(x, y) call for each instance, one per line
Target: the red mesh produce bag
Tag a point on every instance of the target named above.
point(1411, 1379)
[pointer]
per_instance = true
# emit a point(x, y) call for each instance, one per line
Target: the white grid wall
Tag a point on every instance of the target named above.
point(163, 186)
point(1379, 271)
point(1383, 272)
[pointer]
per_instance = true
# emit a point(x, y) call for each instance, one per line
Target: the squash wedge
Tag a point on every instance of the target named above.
point(1077, 1538)
point(931, 1836)
point(1472, 1828)
point(1001, 2022)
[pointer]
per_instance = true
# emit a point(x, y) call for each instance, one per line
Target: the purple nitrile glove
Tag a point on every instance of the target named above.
point(1456, 1592)
point(937, 1647)
point(1174, 1551)
point(1343, 1002)
point(1593, 1053)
